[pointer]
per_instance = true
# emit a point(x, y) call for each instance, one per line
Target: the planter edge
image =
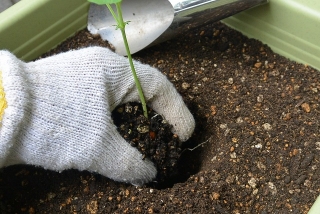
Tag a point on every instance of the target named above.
point(290, 27)
point(32, 27)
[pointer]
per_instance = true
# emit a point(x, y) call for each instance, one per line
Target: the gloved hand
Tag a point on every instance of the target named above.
point(58, 112)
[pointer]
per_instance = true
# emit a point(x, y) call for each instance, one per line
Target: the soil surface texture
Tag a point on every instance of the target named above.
point(255, 148)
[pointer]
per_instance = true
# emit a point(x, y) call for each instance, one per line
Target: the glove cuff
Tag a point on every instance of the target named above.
point(14, 106)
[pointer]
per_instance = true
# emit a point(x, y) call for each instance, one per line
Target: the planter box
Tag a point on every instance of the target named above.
point(290, 27)
point(32, 27)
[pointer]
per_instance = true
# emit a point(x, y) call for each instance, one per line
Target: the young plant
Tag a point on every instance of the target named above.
point(121, 25)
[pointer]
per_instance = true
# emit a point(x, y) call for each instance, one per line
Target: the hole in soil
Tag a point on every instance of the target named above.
point(175, 161)
point(188, 164)
point(190, 160)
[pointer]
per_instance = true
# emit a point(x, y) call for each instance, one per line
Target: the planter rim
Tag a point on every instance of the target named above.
point(32, 27)
point(290, 27)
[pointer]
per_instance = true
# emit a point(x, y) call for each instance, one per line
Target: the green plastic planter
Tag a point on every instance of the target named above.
point(290, 27)
point(32, 27)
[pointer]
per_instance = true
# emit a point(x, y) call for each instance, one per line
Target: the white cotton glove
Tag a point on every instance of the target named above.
point(59, 112)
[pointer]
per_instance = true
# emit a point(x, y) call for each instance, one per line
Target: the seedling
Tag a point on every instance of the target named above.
point(121, 25)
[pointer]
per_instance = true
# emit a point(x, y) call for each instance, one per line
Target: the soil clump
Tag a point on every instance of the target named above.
point(151, 136)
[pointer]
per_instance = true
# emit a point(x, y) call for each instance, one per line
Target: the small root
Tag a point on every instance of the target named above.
point(197, 146)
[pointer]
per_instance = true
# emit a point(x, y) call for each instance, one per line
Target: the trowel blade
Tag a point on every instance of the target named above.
point(148, 19)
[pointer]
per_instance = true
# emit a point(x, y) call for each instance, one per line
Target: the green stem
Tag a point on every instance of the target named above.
point(121, 25)
point(113, 13)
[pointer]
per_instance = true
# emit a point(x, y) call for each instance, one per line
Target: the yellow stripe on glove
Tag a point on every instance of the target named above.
point(3, 102)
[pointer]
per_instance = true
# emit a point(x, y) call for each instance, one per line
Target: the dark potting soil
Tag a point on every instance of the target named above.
point(152, 136)
point(255, 148)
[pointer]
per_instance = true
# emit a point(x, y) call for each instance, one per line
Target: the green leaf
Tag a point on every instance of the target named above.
point(105, 1)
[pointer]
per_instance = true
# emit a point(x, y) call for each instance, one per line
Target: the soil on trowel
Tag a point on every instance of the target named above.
point(152, 136)
point(255, 148)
